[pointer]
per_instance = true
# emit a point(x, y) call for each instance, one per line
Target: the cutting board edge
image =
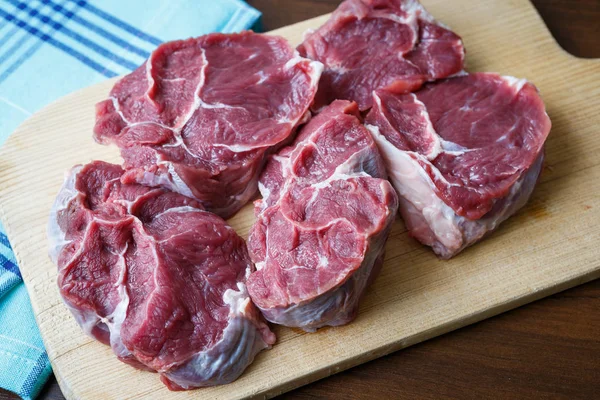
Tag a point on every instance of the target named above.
point(465, 320)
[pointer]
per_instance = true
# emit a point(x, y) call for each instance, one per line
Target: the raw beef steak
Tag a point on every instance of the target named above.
point(156, 277)
point(201, 114)
point(322, 223)
point(464, 154)
point(370, 44)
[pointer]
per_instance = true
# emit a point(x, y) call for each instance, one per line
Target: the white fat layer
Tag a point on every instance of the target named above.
point(323, 261)
point(315, 71)
point(237, 300)
point(261, 77)
point(264, 191)
point(414, 185)
point(305, 118)
point(351, 168)
point(260, 265)
point(142, 123)
point(238, 148)
point(438, 175)
point(149, 77)
point(419, 202)
point(453, 148)
point(56, 236)
point(436, 149)
point(343, 172)
point(307, 33)
point(515, 83)
point(180, 209)
point(295, 60)
point(462, 72)
point(117, 108)
point(416, 8)
point(127, 204)
point(198, 101)
point(117, 317)
point(440, 145)
point(172, 181)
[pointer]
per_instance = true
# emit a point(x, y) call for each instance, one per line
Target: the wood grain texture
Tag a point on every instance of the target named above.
point(423, 288)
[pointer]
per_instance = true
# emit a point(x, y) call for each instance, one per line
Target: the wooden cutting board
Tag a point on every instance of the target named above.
point(551, 245)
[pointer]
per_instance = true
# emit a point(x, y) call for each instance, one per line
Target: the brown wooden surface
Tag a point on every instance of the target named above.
point(548, 349)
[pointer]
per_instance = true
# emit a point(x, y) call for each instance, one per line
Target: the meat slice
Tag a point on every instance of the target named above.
point(464, 154)
point(201, 114)
point(371, 44)
point(322, 223)
point(153, 275)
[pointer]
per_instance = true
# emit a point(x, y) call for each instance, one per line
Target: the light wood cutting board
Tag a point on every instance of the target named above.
point(551, 245)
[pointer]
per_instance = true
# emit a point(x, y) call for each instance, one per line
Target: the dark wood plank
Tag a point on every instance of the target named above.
point(278, 13)
point(574, 23)
point(548, 349)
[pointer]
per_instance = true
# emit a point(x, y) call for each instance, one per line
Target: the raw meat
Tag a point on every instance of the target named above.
point(322, 223)
point(464, 154)
point(201, 114)
point(156, 277)
point(370, 44)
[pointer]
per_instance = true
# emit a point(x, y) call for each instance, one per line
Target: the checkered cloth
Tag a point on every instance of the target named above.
point(49, 48)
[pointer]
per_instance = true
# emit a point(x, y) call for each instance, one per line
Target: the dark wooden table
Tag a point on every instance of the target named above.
point(547, 349)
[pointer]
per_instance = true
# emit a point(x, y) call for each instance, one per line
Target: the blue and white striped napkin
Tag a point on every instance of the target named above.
point(49, 48)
